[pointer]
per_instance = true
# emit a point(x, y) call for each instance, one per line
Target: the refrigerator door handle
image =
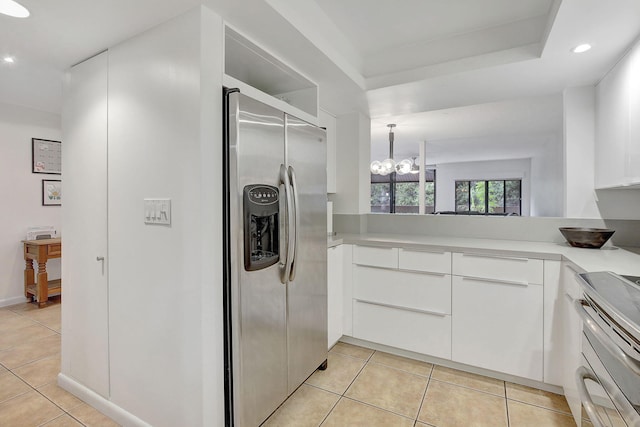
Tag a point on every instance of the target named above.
point(285, 270)
point(296, 204)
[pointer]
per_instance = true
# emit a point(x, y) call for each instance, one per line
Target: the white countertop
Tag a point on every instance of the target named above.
point(607, 258)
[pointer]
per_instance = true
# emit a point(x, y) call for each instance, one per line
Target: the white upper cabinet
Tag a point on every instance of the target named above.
point(618, 125)
point(261, 75)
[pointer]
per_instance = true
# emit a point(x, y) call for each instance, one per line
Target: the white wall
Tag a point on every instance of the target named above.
point(21, 194)
point(353, 179)
point(164, 142)
point(579, 152)
point(165, 326)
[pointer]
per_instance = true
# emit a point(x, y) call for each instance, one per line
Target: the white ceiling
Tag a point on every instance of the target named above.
point(477, 60)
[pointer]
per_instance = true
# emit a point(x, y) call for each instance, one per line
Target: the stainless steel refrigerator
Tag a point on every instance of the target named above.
point(275, 235)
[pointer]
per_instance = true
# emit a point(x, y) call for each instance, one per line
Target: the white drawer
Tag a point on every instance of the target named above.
point(429, 292)
point(375, 256)
point(405, 329)
point(424, 260)
point(512, 269)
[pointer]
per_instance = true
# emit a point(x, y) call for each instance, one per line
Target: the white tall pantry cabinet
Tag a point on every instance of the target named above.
point(142, 330)
point(85, 352)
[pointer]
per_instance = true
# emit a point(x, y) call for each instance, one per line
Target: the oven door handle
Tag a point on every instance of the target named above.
point(583, 374)
point(617, 352)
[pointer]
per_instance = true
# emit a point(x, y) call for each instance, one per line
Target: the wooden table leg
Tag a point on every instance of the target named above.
point(28, 276)
point(43, 284)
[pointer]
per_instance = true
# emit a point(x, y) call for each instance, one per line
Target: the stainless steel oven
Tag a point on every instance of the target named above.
point(609, 380)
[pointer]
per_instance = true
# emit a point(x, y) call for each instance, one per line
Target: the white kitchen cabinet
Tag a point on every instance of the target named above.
point(375, 256)
point(347, 290)
point(85, 265)
point(424, 260)
point(617, 142)
point(419, 291)
point(407, 309)
point(553, 323)
point(498, 325)
point(508, 268)
point(335, 268)
point(572, 337)
point(402, 328)
point(328, 122)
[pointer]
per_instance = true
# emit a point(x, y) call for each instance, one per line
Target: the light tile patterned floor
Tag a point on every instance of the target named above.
point(29, 365)
point(363, 387)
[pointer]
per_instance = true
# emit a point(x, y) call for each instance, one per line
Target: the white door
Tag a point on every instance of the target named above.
point(85, 355)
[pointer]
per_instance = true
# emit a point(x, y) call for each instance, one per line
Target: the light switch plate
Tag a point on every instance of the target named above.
point(157, 211)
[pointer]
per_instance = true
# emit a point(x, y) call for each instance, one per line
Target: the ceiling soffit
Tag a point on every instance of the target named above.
point(394, 43)
point(450, 48)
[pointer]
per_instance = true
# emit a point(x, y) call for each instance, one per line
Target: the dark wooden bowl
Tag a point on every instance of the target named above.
point(592, 238)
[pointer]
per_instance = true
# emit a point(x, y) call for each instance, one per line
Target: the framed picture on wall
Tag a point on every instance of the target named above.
point(46, 156)
point(51, 192)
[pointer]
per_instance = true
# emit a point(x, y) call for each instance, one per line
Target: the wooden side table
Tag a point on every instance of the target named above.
point(41, 251)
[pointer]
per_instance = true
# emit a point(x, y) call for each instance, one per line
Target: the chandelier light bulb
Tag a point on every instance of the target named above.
point(403, 167)
point(388, 165)
point(375, 167)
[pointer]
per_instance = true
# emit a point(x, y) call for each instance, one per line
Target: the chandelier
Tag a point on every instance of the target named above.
point(388, 166)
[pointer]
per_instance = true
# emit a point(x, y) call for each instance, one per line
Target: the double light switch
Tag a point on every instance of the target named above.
point(157, 211)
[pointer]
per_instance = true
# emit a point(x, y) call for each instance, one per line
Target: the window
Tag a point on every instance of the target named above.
point(494, 197)
point(407, 193)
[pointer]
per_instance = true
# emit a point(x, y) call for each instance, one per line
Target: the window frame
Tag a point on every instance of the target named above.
point(394, 180)
point(486, 194)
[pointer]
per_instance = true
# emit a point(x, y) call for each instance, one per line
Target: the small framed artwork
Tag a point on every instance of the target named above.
point(46, 156)
point(51, 192)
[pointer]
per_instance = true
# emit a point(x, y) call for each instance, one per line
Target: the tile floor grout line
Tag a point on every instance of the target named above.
point(399, 369)
point(506, 404)
point(540, 406)
point(355, 378)
point(330, 411)
point(467, 387)
point(424, 396)
point(377, 407)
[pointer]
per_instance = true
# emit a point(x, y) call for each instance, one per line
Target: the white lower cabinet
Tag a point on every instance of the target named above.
point(498, 325)
point(426, 292)
point(482, 310)
point(410, 310)
point(402, 328)
point(572, 337)
point(335, 257)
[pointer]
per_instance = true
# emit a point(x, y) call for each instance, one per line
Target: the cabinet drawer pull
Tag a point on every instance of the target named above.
point(426, 273)
point(397, 307)
point(436, 252)
point(498, 281)
point(476, 255)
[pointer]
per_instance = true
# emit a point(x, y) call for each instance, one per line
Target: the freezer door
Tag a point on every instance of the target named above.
point(307, 290)
point(258, 307)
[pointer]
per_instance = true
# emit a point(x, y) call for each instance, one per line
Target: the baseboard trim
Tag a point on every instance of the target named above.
point(453, 365)
point(12, 301)
point(102, 404)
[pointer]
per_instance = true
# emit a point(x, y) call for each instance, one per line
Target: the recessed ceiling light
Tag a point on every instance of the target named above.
point(581, 48)
point(9, 59)
point(12, 8)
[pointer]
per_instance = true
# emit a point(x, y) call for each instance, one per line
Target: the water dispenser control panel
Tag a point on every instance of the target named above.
point(261, 226)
